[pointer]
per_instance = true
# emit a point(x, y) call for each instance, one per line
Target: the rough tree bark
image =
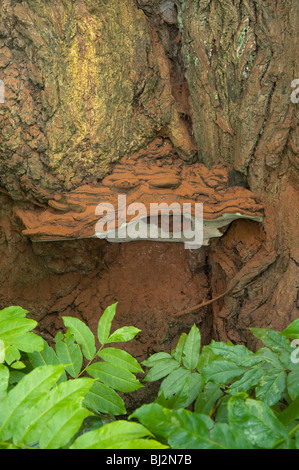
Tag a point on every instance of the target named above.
point(88, 82)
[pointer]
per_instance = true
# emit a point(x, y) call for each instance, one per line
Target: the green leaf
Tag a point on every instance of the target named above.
point(140, 444)
point(104, 325)
point(175, 382)
point(152, 360)
point(69, 352)
point(290, 414)
point(191, 431)
point(293, 384)
point(249, 380)
point(25, 394)
point(15, 377)
point(33, 423)
point(29, 343)
point(10, 313)
point(206, 357)
point(191, 348)
point(292, 331)
point(155, 418)
point(161, 368)
point(46, 357)
point(270, 357)
point(271, 387)
point(120, 358)
point(126, 333)
point(11, 328)
point(103, 399)
point(184, 383)
point(230, 438)
point(235, 353)
point(177, 353)
point(181, 428)
point(273, 339)
point(2, 351)
point(4, 380)
point(114, 376)
point(82, 334)
point(63, 426)
point(221, 372)
point(111, 436)
point(256, 421)
point(206, 400)
point(11, 354)
point(18, 365)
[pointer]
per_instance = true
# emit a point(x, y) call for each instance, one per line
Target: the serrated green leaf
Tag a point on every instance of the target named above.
point(124, 334)
point(273, 339)
point(120, 358)
point(114, 376)
point(152, 360)
point(206, 357)
point(222, 372)
point(181, 428)
point(207, 399)
point(161, 369)
point(235, 353)
point(32, 424)
point(271, 387)
point(46, 357)
point(111, 435)
point(270, 357)
point(25, 394)
point(82, 334)
point(184, 383)
point(249, 380)
point(156, 418)
point(221, 415)
point(103, 399)
point(4, 380)
point(177, 353)
point(63, 426)
point(104, 325)
point(229, 438)
point(175, 382)
point(191, 348)
point(292, 331)
point(256, 421)
point(68, 352)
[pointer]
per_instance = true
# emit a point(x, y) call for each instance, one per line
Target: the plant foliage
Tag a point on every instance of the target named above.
point(67, 396)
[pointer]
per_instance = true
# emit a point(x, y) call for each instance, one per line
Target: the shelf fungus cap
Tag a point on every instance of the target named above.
point(133, 202)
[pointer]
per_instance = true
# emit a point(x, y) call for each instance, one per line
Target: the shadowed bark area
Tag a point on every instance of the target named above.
point(88, 85)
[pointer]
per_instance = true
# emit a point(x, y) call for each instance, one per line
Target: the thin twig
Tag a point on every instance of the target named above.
point(208, 302)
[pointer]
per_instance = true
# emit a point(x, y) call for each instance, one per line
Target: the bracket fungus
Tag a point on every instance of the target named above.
point(143, 180)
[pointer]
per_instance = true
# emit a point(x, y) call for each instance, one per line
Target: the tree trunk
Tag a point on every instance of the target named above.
point(88, 83)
